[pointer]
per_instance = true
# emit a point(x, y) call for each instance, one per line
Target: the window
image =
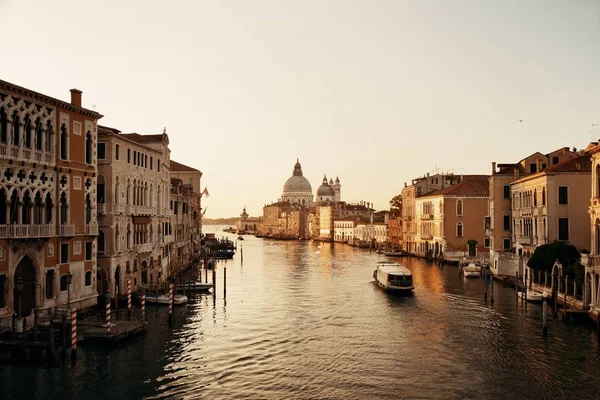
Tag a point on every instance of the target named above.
point(506, 192)
point(459, 207)
point(563, 229)
point(535, 197)
point(129, 156)
point(486, 242)
point(507, 222)
point(134, 157)
point(543, 166)
point(63, 142)
point(88, 278)
point(150, 162)
point(506, 244)
point(50, 284)
point(117, 151)
point(563, 195)
point(532, 168)
point(544, 196)
point(554, 160)
point(88, 148)
point(487, 222)
point(158, 165)
point(64, 253)
point(88, 251)
point(63, 283)
point(2, 291)
point(459, 229)
point(101, 151)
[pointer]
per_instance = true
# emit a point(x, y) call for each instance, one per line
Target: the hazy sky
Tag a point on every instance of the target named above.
point(376, 92)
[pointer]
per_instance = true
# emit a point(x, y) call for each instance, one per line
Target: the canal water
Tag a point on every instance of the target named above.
point(303, 320)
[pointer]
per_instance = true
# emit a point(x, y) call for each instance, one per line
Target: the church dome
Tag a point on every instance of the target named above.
point(297, 188)
point(325, 190)
point(297, 184)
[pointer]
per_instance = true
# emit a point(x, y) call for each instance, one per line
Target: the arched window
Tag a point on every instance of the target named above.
point(151, 198)
point(544, 196)
point(38, 209)
point(88, 209)
point(38, 135)
point(459, 207)
point(101, 241)
point(88, 148)
point(3, 205)
point(16, 124)
point(64, 142)
point(49, 137)
point(100, 189)
point(27, 127)
point(535, 198)
point(25, 208)
point(459, 229)
point(3, 126)
point(117, 191)
point(117, 239)
point(128, 194)
point(49, 207)
point(64, 216)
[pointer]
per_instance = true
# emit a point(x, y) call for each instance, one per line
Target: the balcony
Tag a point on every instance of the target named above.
point(143, 248)
point(168, 239)
point(26, 231)
point(426, 216)
point(119, 208)
point(525, 211)
point(594, 261)
point(102, 209)
point(91, 229)
point(67, 230)
point(426, 236)
point(407, 217)
point(26, 154)
point(130, 210)
point(524, 240)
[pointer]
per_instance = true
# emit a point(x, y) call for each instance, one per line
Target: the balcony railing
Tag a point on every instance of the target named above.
point(426, 216)
point(130, 209)
point(29, 154)
point(525, 211)
point(26, 231)
point(426, 236)
point(102, 208)
point(91, 229)
point(594, 261)
point(119, 208)
point(168, 239)
point(143, 248)
point(524, 239)
point(67, 230)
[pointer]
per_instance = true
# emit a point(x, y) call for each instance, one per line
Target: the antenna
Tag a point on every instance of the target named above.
point(592, 131)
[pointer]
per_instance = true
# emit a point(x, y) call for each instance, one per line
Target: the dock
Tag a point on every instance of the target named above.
point(124, 324)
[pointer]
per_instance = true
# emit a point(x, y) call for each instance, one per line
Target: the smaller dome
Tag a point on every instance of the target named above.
point(325, 189)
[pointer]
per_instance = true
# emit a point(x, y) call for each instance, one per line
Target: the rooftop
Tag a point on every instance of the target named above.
point(469, 188)
point(178, 167)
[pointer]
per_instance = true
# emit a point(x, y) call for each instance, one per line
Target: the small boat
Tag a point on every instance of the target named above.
point(178, 299)
point(195, 286)
point(472, 270)
point(240, 238)
point(393, 277)
point(534, 297)
point(394, 254)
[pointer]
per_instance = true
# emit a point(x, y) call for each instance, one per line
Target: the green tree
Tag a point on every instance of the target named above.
point(396, 206)
point(545, 256)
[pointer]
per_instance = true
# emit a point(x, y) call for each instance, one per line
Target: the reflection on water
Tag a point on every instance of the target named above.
point(305, 320)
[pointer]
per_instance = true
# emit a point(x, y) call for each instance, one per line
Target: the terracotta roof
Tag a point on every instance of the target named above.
point(136, 137)
point(470, 187)
point(108, 130)
point(175, 166)
point(580, 163)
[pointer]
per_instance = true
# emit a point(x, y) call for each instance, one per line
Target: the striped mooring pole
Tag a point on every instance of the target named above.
point(143, 305)
point(108, 314)
point(73, 328)
point(170, 304)
point(129, 294)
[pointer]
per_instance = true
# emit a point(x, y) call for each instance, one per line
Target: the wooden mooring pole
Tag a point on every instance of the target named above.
point(545, 317)
point(225, 279)
point(517, 286)
point(492, 279)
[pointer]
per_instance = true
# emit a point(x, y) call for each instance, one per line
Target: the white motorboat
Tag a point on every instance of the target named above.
point(534, 297)
point(178, 299)
point(195, 286)
point(471, 270)
point(393, 277)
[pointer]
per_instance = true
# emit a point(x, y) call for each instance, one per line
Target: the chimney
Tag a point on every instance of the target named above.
point(428, 174)
point(493, 167)
point(76, 97)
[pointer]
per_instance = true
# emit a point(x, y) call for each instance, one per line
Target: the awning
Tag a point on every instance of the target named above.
point(141, 220)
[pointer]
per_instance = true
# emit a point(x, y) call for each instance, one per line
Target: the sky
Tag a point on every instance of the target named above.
point(375, 92)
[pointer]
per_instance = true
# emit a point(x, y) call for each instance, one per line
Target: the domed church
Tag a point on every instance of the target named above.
point(329, 191)
point(297, 189)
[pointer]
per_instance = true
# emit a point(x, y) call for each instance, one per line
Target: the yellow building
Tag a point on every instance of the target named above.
point(592, 275)
point(551, 205)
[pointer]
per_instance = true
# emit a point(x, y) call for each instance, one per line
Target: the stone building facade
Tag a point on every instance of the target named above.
point(47, 202)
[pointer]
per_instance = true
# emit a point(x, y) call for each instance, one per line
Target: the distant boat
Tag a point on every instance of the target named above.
point(472, 270)
point(393, 277)
point(178, 299)
point(394, 254)
point(240, 238)
point(195, 286)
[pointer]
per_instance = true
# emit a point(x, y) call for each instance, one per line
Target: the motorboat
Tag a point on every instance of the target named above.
point(195, 286)
point(394, 254)
point(393, 277)
point(471, 270)
point(534, 297)
point(178, 299)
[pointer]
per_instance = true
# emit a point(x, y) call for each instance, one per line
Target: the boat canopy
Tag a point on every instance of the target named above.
point(393, 269)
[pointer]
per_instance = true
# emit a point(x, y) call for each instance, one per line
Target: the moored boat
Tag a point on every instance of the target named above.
point(534, 297)
point(178, 299)
point(195, 286)
point(471, 270)
point(393, 277)
point(394, 254)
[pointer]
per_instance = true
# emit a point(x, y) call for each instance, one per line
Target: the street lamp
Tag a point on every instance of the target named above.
point(19, 289)
point(69, 280)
